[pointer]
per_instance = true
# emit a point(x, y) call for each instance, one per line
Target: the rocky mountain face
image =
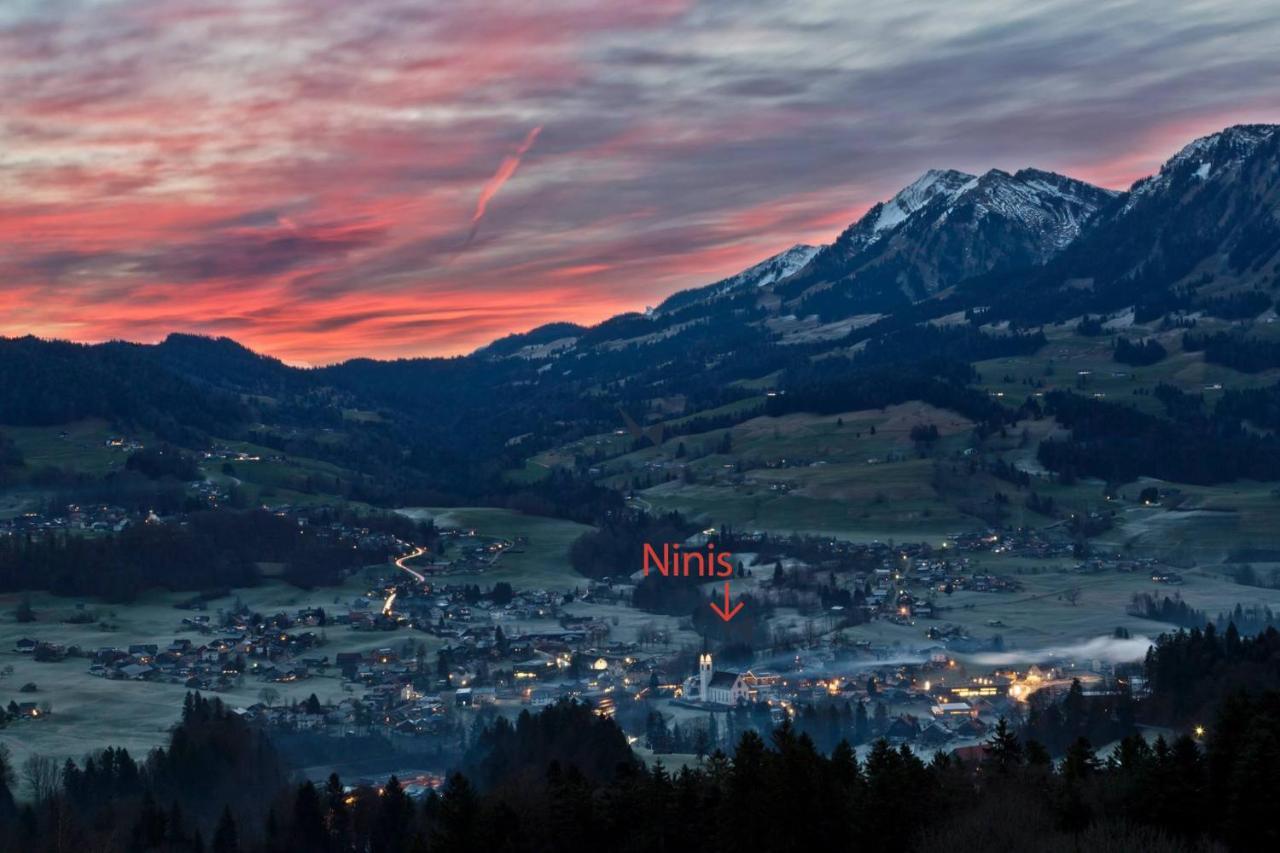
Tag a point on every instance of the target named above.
point(1206, 225)
point(942, 229)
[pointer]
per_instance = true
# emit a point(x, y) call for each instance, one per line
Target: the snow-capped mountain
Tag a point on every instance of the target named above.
point(1209, 220)
point(1031, 244)
point(884, 217)
point(768, 271)
point(1217, 152)
point(943, 228)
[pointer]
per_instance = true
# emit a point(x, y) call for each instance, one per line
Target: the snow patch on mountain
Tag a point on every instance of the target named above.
point(771, 269)
point(1045, 203)
point(917, 194)
point(1214, 154)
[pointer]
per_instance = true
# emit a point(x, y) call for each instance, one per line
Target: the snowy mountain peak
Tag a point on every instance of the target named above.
point(885, 217)
point(949, 225)
point(771, 269)
point(918, 194)
point(1049, 205)
point(1206, 157)
point(1234, 142)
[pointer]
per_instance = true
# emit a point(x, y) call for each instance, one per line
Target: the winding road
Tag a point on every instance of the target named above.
point(412, 555)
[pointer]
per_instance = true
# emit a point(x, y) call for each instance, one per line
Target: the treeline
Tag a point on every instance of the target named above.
point(835, 385)
point(779, 794)
point(10, 455)
point(1138, 354)
point(1237, 306)
point(962, 343)
point(214, 764)
point(510, 756)
point(207, 550)
point(616, 549)
point(11, 461)
point(1119, 443)
point(164, 460)
point(129, 490)
point(1254, 619)
point(1189, 672)
point(1258, 406)
point(1058, 724)
point(53, 382)
point(1248, 355)
point(1173, 610)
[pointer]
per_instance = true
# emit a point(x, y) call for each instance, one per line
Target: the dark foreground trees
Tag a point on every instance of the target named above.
point(565, 779)
point(217, 787)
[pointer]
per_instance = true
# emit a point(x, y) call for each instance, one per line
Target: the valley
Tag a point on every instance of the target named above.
point(972, 460)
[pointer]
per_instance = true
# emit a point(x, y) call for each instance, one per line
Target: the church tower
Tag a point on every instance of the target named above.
point(704, 676)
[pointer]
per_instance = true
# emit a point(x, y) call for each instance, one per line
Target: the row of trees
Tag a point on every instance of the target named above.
point(208, 550)
point(1119, 443)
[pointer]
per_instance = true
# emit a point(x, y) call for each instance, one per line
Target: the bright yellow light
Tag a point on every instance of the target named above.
point(1199, 731)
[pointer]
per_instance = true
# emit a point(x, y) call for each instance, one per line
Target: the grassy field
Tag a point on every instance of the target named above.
point(1042, 615)
point(807, 473)
point(856, 474)
point(1084, 364)
point(541, 562)
point(79, 447)
point(291, 479)
point(1200, 523)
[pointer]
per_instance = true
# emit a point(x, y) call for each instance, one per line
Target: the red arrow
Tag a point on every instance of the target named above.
point(726, 614)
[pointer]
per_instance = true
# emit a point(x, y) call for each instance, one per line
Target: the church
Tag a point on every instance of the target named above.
point(719, 687)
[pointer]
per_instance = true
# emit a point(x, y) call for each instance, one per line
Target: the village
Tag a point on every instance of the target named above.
point(455, 652)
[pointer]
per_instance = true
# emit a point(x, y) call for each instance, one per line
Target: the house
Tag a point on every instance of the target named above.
point(136, 671)
point(349, 662)
point(934, 735)
point(903, 728)
point(971, 728)
point(970, 756)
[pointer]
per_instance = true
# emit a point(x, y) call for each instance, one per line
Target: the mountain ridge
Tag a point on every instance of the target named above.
point(953, 276)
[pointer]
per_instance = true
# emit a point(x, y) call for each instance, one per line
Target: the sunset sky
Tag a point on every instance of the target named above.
point(322, 179)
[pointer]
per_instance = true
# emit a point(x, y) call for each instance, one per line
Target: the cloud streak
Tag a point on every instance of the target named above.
point(506, 170)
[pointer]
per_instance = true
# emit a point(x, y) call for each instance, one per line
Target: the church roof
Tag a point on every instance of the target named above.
point(724, 679)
